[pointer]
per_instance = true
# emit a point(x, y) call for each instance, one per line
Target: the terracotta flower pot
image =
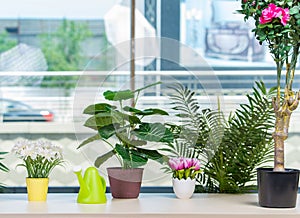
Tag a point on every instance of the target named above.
point(125, 183)
point(37, 189)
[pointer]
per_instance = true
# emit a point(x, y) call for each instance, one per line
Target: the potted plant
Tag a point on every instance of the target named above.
point(230, 148)
point(126, 125)
point(39, 158)
point(277, 23)
point(184, 172)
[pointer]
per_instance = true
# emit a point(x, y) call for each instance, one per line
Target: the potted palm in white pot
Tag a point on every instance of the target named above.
point(277, 24)
point(123, 128)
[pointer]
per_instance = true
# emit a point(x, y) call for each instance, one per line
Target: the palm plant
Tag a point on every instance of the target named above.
point(230, 149)
point(2, 167)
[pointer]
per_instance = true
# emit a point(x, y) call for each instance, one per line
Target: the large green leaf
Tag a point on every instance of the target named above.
point(152, 111)
point(153, 155)
point(118, 95)
point(155, 132)
point(97, 121)
point(97, 108)
point(106, 118)
point(122, 151)
point(137, 159)
point(130, 142)
point(131, 158)
point(107, 131)
point(131, 109)
point(146, 112)
point(89, 140)
point(101, 159)
point(133, 119)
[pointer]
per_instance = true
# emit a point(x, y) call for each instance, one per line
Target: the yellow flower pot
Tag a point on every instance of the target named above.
point(37, 189)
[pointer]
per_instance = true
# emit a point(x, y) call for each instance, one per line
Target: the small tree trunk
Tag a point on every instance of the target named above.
point(279, 136)
point(283, 114)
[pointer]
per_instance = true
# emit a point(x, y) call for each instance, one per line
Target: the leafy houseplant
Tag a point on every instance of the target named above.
point(277, 23)
point(39, 157)
point(126, 125)
point(229, 149)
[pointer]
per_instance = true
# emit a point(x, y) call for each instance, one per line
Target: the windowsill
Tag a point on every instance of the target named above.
point(147, 205)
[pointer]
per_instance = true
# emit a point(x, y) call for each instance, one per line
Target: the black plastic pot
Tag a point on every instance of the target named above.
point(277, 189)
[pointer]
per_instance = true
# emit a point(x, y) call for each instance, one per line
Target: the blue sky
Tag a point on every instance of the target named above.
point(85, 9)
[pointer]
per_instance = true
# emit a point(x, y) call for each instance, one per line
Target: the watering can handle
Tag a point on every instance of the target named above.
point(103, 183)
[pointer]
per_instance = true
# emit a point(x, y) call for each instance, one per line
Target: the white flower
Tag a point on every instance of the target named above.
point(36, 154)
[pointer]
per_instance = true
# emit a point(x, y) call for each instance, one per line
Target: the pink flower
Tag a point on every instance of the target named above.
point(184, 163)
point(184, 168)
point(271, 12)
point(173, 163)
point(285, 16)
point(196, 164)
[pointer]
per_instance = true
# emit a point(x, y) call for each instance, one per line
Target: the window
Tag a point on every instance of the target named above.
point(46, 47)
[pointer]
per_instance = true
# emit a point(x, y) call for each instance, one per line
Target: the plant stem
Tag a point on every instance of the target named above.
point(283, 111)
point(293, 65)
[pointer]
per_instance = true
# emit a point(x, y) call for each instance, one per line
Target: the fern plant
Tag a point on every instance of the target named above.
point(197, 127)
point(230, 149)
point(2, 168)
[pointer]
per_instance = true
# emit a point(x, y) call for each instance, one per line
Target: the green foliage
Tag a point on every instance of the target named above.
point(282, 39)
point(126, 124)
point(2, 166)
point(198, 128)
point(230, 150)
point(247, 143)
point(6, 43)
point(62, 51)
point(39, 157)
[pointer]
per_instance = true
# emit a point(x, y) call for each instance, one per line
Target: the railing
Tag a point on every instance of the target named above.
point(229, 86)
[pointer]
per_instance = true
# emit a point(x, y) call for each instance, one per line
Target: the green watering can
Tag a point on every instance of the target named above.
point(92, 186)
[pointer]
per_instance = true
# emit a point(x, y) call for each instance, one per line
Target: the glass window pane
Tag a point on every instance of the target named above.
point(219, 34)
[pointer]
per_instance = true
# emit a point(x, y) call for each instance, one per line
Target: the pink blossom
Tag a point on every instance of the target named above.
point(184, 163)
point(196, 164)
point(183, 167)
point(285, 16)
point(271, 12)
point(173, 164)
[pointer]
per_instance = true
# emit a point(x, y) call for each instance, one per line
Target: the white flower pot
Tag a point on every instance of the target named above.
point(184, 188)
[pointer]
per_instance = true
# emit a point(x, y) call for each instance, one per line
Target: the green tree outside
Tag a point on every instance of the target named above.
point(5, 42)
point(62, 51)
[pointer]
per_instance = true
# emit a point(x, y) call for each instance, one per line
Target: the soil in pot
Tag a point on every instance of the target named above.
point(277, 189)
point(125, 183)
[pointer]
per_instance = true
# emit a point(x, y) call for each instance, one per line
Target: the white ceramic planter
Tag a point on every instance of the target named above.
point(184, 188)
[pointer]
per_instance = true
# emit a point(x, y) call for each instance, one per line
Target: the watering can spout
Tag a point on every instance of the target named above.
point(83, 186)
point(92, 186)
